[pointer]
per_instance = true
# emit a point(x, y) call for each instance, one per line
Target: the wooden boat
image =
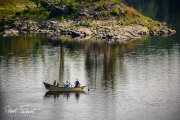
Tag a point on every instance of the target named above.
point(63, 89)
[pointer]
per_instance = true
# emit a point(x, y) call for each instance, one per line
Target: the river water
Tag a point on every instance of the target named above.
point(139, 80)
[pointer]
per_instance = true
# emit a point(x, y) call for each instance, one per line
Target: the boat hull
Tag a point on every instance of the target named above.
point(63, 89)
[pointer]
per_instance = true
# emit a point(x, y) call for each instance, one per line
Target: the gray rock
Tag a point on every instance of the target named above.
point(166, 31)
point(10, 32)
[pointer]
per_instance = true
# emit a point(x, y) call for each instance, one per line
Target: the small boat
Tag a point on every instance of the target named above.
point(63, 89)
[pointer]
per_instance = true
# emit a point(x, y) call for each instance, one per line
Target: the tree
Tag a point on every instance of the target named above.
point(37, 2)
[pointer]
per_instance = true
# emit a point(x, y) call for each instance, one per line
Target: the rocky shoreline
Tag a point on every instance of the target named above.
point(102, 29)
point(112, 21)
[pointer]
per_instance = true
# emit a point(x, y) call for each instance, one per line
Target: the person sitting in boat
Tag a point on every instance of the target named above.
point(67, 84)
point(77, 84)
point(55, 83)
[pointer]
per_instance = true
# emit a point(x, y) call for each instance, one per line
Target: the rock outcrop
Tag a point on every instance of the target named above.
point(110, 21)
point(103, 30)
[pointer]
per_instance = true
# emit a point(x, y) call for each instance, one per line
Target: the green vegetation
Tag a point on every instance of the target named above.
point(87, 23)
point(33, 13)
point(72, 6)
point(105, 14)
point(12, 10)
point(11, 3)
point(116, 11)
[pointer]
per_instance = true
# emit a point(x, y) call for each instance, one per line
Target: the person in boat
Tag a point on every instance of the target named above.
point(55, 83)
point(67, 84)
point(76, 83)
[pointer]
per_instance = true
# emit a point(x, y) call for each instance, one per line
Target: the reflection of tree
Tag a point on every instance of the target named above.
point(21, 45)
point(100, 61)
point(102, 57)
point(61, 66)
point(110, 54)
point(91, 62)
point(110, 58)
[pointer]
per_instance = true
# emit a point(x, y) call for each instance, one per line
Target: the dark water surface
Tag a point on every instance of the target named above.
point(135, 81)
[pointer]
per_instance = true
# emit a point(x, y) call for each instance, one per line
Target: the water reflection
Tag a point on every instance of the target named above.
point(61, 66)
point(99, 58)
point(66, 95)
point(140, 76)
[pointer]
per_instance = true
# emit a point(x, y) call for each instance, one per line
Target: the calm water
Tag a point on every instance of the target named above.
point(139, 80)
point(135, 81)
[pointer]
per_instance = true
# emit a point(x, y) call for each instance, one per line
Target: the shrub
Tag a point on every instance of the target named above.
point(72, 6)
point(61, 18)
point(33, 13)
point(116, 11)
point(105, 14)
point(87, 23)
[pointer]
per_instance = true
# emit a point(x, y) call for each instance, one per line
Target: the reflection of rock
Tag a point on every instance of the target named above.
point(11, 32)
point(166, 31)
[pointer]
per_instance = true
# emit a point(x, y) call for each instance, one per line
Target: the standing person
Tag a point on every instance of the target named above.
point(77, 84)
